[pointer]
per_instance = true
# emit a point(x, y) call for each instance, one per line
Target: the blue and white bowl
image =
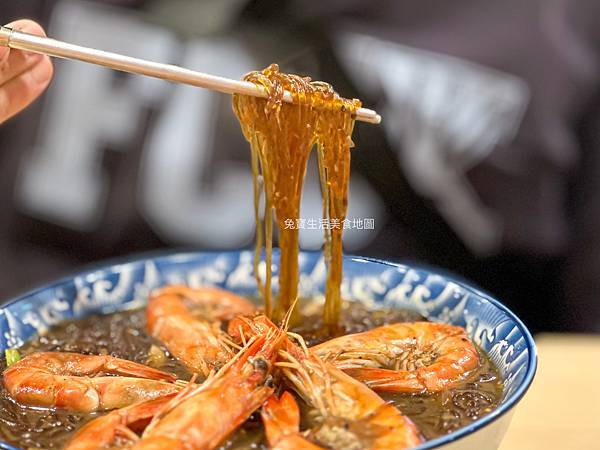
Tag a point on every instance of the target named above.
point(376, 283)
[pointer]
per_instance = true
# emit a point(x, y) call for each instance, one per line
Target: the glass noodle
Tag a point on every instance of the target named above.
point(281, 137)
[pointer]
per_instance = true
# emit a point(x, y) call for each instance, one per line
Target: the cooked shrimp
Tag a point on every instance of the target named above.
point(75, 381)
point(188, 322)
point(123, 425)
point(414, 357)
point(281, 418)
point(203, 418)
point(348, 415)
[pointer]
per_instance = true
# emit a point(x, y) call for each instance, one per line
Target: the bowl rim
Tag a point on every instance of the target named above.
point(113, 264)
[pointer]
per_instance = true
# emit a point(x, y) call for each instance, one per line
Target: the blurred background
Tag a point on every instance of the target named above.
point(486, 163)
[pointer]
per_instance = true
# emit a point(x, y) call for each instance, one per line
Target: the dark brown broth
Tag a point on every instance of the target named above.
point(123, 335)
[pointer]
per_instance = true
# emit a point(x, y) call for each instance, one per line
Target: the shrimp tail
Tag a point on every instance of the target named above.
point(435, 378)
point(385, 380)
point(129, 368)
point(281, 418)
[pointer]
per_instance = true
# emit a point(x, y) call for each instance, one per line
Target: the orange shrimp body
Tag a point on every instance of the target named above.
point(347, 414)
point(281, 418)
point(415, 357)
point(205, 417)
point(74, 381)
point(188, 322)
point(124, 424)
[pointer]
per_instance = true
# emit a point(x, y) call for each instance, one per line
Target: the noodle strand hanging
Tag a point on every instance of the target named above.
point(281, 137)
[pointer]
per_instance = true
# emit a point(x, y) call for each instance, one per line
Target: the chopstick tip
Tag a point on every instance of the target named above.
point(368, 115)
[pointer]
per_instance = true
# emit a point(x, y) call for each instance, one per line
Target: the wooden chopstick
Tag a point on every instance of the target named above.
point(52, 47)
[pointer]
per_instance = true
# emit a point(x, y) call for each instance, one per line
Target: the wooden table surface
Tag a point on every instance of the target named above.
point(561, 410)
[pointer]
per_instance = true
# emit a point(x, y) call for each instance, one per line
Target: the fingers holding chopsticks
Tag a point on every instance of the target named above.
point(23, 75)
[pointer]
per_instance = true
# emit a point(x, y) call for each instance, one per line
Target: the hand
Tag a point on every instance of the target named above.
point(23, 75)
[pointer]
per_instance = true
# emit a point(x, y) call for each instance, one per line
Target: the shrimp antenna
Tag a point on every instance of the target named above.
point(249, 322)
point(300, 341)
point(285, 323)
point(235, 359)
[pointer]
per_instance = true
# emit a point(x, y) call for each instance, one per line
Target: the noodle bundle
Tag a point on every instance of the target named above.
point(281, 137)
